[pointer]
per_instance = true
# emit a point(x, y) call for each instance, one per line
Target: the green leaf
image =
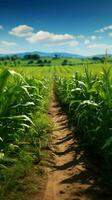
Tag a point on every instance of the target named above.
point(108, 143)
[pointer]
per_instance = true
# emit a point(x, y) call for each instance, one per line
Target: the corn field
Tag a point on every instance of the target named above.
point(25, 98)
point(87, 98)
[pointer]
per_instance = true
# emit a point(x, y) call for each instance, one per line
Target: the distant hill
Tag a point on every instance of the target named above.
point(45, 54)
point(101, 55)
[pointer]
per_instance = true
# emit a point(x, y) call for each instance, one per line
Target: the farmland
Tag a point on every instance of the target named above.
point(83, 90)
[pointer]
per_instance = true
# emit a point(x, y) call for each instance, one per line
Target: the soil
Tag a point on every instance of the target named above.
point(70, 173)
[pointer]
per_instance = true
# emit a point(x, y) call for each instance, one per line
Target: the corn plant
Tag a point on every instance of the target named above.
point(20, 99)
point(88, 99)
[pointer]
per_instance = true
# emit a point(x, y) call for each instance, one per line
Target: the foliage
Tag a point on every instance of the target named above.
point(24, 126)
point(88, 99)
point(32, 57)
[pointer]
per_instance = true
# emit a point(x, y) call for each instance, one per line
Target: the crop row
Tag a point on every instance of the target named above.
point(24, 126)
point(88, 100)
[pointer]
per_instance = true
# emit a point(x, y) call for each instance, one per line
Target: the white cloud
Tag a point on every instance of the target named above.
point(22, 31)
point(10, 51)
point(90, 39)
point(110, 34)
point(93, 37)
point(86, 42)
point(73, 43)
point(87, 39)
point(100, 46)
point(1, 27)
point(6, 43)
point(80, 36)
point(106, 28)
point(100, 37)
point(46, 36)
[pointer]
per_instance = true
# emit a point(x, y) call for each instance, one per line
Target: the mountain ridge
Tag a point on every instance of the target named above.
point(45, 54)
point(52, 54)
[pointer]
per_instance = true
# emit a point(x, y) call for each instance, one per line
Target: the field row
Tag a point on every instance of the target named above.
point(87, 98)
point(24, 125)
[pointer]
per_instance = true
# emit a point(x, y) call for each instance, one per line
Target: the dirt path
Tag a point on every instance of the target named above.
point(70, 174)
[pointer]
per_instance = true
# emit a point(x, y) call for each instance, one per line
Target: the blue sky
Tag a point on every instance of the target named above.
point(76, 26)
